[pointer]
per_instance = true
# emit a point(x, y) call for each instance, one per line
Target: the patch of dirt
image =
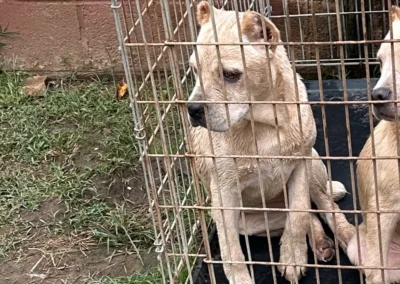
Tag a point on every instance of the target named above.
point(43, 256)
point(88, 156)
point(125, 185)
point(48, 258)
point(50, 209)
point(128, 184)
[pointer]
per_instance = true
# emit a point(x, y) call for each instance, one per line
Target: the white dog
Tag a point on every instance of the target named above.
point(384, 192)
point(246, 181)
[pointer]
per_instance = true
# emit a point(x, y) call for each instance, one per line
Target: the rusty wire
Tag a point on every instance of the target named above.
point(156, 60)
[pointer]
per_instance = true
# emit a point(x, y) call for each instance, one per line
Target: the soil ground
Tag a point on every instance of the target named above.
point(73, 207)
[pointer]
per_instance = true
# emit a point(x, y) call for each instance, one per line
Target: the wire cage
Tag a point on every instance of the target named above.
point(331, 44)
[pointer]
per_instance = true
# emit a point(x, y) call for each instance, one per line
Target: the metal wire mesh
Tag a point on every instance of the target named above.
point(324, 40)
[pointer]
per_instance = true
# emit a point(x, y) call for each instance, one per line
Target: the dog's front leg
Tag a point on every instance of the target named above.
point(227, 222)
point(373, 256)
point(293, 241)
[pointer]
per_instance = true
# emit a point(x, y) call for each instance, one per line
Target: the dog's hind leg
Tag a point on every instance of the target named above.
point(321, 244)
point(338, 190)
point(255, 224)
point(357, 249)
point(374, 239)
point(337, 222)
point(320, 194)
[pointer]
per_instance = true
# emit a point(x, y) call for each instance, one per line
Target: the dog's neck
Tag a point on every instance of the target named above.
point(391, 128)
point(284, 90)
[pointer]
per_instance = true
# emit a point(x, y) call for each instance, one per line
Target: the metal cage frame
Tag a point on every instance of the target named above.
point(155, 41)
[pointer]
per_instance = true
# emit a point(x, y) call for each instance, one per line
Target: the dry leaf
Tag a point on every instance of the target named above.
point(106, 131)
point(35, 86)
point(122, 90)
point(76, 149)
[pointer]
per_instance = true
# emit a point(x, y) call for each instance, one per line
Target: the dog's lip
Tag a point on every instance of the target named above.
point(387, 117)
point(381, 114)
point(194, 122)
point(198, 122)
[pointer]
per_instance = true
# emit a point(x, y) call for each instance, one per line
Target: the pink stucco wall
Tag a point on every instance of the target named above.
point(60, 36)
point(79, 35)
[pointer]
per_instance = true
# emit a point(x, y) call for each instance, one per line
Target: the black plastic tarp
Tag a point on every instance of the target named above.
point(338, 146)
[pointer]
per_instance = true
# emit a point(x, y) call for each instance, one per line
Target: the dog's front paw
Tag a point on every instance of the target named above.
point(375, 277)
point(240, 279)
point(238, 274)
point(292, 273)
point(296, 256)
point(374, 281)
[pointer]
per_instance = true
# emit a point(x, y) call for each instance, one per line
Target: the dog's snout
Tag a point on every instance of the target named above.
point(196, 111)
point(381, 94)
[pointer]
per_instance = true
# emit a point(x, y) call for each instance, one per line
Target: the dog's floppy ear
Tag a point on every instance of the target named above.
point(204, 12)
point(395, 12)
point(252, 28)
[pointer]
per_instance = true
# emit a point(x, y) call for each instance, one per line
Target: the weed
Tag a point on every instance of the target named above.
point(74, 147)
point(4, 32)
point(146, 278)
point(69, 168)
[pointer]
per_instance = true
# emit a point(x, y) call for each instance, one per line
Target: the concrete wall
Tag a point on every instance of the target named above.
point(60, 36)
point(79, 35)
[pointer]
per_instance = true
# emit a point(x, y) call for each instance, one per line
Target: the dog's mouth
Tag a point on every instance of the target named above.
point(215, 121)
point(196, 122)
point(203, 123)
point(385, 112)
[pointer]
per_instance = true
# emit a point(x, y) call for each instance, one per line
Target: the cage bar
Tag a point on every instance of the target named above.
point(325, 40)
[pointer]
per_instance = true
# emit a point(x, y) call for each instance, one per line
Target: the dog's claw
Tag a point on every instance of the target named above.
point(324, 249)
point(327, 254)
point(292, 273)
point(298, 256)
point(282, 270)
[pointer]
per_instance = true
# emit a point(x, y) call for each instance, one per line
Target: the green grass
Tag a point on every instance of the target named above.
point(70, 146)
point(151, 277)
point(69, 168)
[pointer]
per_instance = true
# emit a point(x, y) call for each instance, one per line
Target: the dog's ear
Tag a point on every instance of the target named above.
point(252, 27)
point(204, 12)
point(395, 12)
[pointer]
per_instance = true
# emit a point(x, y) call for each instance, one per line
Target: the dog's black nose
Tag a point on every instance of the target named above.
point(381, 94)
point(196, 111)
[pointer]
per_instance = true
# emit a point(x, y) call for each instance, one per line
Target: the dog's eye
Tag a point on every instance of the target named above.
point(232, 76)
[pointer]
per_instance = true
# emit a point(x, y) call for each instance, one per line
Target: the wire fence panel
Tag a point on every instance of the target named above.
point(198, 179)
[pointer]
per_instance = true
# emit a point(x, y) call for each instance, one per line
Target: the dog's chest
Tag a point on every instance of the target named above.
point(269, 174)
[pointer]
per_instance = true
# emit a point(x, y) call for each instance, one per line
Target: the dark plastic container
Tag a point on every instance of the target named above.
point(338, 146)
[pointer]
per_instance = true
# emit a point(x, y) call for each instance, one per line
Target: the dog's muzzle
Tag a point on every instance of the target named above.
point(196, 114)
point(382, 109)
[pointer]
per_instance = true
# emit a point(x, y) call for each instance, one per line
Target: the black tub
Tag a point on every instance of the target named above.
point(338, 146)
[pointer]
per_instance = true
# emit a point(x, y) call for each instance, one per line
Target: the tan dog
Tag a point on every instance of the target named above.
point(387, 183)
point(244, 181)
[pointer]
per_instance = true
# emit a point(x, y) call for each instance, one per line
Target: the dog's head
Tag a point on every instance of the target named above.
point(384, 89)
point(220, 72)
